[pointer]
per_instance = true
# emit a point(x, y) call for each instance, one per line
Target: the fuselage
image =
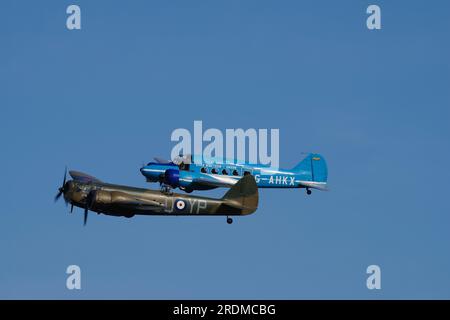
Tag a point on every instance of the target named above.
point(91, 194)
point(119, 200)
point(210, 175)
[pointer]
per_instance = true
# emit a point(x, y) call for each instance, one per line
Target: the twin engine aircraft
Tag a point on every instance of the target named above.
point(189, 174)
point(91, 194)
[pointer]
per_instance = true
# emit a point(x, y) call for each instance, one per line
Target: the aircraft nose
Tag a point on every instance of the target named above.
point(69, 186)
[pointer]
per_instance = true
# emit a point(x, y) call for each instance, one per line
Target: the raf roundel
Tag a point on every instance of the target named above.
point(180, 204)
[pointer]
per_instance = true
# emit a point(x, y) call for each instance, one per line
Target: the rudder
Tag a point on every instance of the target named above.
point(313, 167)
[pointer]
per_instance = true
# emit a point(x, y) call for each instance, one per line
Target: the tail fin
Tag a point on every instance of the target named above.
point(312, 168)
point(243, 195)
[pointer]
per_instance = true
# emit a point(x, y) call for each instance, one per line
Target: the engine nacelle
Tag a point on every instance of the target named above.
point(102, 201)
point(99, 198)
point(172, 177)
point(177, 179)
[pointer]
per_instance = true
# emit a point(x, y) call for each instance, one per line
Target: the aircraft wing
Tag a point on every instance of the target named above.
point(215, 180)
point(123, 199)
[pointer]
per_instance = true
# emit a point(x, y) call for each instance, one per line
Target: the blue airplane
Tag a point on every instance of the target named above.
point(189, 175)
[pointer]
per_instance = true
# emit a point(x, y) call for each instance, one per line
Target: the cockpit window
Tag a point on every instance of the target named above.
point(184, 166)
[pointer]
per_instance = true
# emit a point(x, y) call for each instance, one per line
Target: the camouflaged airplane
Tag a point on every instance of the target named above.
point(190, 173)
point(89, 193)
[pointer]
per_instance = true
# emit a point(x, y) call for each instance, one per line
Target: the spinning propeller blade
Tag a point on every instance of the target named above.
point(85, 215)
point(61, 189)
point(161, 160)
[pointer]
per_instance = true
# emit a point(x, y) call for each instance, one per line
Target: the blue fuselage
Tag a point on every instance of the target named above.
point(205, 176)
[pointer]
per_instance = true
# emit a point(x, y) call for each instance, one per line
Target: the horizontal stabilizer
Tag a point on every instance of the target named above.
point(314, 185)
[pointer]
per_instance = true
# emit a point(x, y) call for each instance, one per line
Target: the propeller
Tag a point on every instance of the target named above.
point(64, 188)
point(61, 189)
point(86, 210)
point(89, 201)
point(161, 160)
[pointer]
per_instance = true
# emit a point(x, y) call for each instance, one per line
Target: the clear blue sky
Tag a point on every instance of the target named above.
point(106, 98)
